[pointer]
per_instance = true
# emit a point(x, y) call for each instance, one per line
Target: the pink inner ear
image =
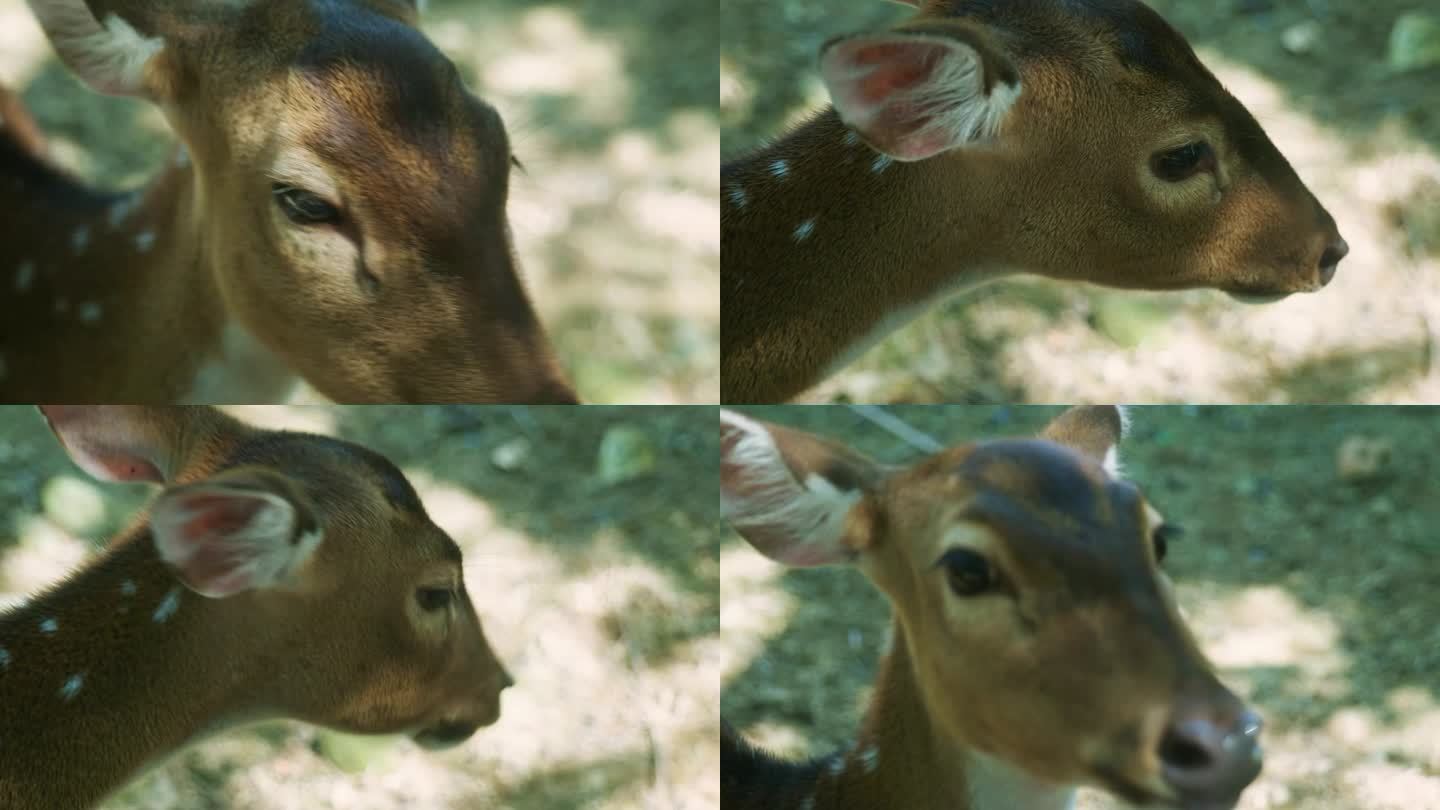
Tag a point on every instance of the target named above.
point(125, 467)
point(893, 67)
point(217, 515)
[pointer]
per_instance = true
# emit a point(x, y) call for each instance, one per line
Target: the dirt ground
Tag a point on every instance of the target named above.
point(1314, 597)
point(611, 107)
point(1366, 141)
point(601, 598)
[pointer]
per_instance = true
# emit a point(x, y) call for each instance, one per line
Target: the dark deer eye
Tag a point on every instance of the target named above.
point(1182, 163)
point(434, 599)
point(303, 207)
point(967, 573)
point(1164, 535)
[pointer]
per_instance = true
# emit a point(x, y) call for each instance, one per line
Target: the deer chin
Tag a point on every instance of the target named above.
point(445, 735)
point(1257, 297)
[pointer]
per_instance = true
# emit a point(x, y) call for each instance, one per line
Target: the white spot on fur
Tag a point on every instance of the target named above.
point(881, 163)
point(870, 759)
point(167, 607)
point(90, 312)
point(1112, 454)
point(837, 765)
point(127, 588)
point(121, 210)
point(25, 276)
point(144, 240)
point(803, 231)
point(738, 198)
point(182, 158)
point(72, 686)
point(49, 626)
point(80, 238)
point(780, 169)
point(811, 514)
point(851, 138)
point(4, 658)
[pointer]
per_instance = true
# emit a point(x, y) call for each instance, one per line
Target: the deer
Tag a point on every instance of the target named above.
point(276, 575)
point(1077, 140)
point(1036, 644)
point(333, 219)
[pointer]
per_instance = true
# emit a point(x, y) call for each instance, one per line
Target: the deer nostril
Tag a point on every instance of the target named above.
point(1183, 751)
point(1330, 259)
point(1200, 757)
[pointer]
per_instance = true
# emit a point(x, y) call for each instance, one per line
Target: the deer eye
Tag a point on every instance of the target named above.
point(434, 599)
point(1184, 162)
point(1162, 538)
point(303, 207)
point(967, 573)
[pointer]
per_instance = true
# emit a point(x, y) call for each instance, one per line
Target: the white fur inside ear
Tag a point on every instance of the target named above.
point(812, 512)
point(110, 58)
point(951, 101)
point(1112, 456)
point(255, 556)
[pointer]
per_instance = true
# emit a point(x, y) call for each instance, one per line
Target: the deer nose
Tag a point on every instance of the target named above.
point(1205, 759)
point(1330, 259)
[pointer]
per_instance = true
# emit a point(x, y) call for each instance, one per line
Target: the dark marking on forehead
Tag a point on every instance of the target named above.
point(395, 116)
point(393, 483)
point(1042, 494)
point(412, 77)
point(289, 453)
point(1142, 39)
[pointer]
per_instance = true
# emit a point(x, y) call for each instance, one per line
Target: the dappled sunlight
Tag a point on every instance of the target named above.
point(1305, 582)
point(1368, 337)
point(1267, 628)
point(613, 645)
point(615, 213)
point(753, 608)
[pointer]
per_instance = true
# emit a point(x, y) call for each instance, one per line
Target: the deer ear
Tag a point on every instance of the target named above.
point(912, 93)
point(114, 50)
point(116, 442)
point(1094, 430)
point(796, 498)
point(239, 531)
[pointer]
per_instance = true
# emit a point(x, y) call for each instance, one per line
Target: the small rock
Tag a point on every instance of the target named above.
point(1414, 41)
point(75, 505)
point(511, 455)
point(1301, 38)
point(1362, 458)
point(626, 453)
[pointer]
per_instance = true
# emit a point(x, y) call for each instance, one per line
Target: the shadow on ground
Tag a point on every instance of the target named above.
point(1308, 591)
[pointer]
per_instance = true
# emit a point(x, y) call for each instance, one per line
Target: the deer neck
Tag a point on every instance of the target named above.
point(830, 245)
point(902, 760)
point(108, 673)
point(115, 293)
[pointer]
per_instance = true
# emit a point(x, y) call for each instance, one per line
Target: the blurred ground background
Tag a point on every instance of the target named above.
point(611, 108)
point(595, 573)
point(1309, 582)
point(1364, 138)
